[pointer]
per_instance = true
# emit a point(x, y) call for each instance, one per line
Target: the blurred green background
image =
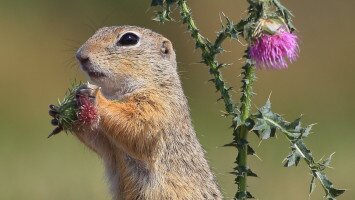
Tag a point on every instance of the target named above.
point(38, 41)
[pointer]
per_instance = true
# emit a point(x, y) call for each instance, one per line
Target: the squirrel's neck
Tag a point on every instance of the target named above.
point(166, 85)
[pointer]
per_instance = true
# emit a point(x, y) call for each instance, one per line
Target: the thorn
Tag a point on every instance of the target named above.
point(220, 18)
point(321, 158)
point(260, 143)
point(284, 160)
point(240, 42)
point(229, 145)
point(313, 124)
point(211, 80)
point(55, 131)
point(257, 157)
point(269, 96)
point(224, 15)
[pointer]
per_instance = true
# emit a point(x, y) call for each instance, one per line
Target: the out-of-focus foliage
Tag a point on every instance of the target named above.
point(40, 37)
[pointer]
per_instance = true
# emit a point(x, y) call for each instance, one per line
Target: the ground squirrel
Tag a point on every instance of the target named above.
point(143, 131)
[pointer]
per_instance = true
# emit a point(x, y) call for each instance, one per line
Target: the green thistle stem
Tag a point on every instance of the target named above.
point(241, 134)
point(209, 57)
point(248, 80)
point(209, 52)
point(185, 13)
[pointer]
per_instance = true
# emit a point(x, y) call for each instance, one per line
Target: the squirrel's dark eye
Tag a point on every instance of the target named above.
point(128, 39)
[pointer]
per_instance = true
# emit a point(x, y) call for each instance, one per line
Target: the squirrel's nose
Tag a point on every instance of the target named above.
point(82, 58)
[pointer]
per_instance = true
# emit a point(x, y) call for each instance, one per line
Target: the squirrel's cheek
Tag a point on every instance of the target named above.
point(87, 113)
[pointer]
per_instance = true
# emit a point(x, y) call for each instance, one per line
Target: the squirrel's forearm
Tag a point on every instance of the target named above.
point(131, 125)
point(96, 141)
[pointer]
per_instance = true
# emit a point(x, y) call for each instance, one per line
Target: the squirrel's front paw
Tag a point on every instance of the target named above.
point(86, 100)
point(87, 90)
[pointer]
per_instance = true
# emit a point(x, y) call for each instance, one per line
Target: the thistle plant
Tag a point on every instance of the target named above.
point(272, 44)
point(71, 109)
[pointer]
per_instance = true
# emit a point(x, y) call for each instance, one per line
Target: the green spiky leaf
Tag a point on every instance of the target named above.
point(312, 185)
point(170, 2)
point(265, 119)
point(250, 150)
point(326, 163)
point(251, 173)
point(293, 158)
point(331, 192)
point(157, 2)
point(162, 16)
point(244, 195)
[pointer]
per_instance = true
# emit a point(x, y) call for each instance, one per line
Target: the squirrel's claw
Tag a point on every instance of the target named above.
point(87, 90)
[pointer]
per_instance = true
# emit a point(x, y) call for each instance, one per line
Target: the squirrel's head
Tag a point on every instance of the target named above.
point(122, 59)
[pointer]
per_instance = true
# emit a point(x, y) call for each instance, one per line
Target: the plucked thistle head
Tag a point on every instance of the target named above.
point(71, 109)
point(65, 113)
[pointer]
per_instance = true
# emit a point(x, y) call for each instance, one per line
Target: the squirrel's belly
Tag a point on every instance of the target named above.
point(139, 183)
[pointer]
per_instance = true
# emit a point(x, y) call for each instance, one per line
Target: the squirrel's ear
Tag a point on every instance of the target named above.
point(166, 48)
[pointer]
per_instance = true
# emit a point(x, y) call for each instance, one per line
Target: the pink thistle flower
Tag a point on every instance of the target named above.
point(272, 51)
point(87, 113)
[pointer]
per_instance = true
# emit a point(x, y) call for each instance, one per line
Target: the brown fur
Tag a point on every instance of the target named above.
point(144, 132)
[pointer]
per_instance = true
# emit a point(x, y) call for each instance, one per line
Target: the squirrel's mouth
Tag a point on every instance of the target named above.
point(92, 73)
point(95, 74)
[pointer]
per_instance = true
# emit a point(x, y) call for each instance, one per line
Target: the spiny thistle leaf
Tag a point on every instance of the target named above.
point(162, 16)
point(326, 163)
point(285, 13)
point(251, 173)
point(157, 2)
point(266, 119)
point(170, 2)
point(251, 151)
point(263, 130)
point(293, 158)
point(250, 196)
point(244, 195)
point(312, 185)
point(230, 29)
point(331, 192)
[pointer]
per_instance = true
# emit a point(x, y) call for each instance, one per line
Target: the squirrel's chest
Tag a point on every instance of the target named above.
point(126, 176)
point(131, 178)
